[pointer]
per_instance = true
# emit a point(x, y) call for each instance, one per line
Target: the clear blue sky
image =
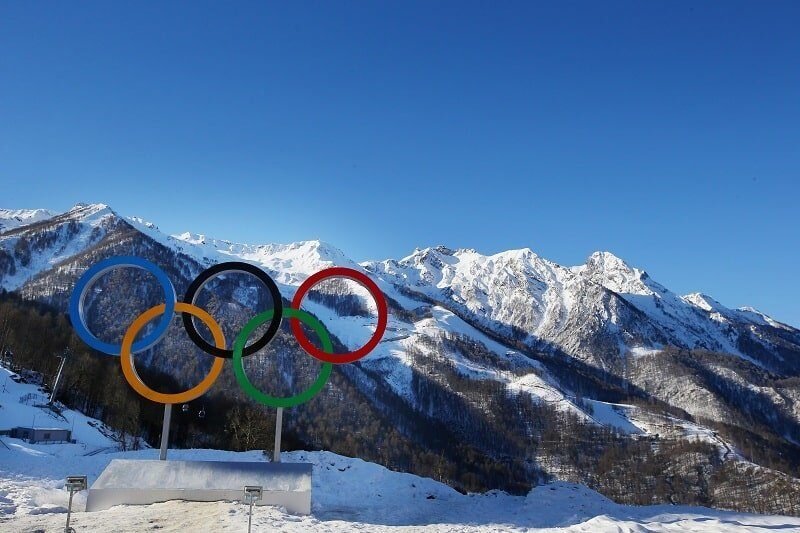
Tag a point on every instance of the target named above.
point(665, 132)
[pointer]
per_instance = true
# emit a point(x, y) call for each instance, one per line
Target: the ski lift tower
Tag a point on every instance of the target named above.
point(60, 373)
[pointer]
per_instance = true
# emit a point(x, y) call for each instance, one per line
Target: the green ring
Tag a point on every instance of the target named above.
point(266, 399)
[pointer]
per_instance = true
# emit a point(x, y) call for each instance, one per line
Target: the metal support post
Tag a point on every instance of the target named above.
point(252, 494)
point(74, 484)
point(165, 431)
point(63, 358)
point(276, 455)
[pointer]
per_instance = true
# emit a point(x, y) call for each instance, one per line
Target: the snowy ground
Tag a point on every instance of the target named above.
point(348, 494)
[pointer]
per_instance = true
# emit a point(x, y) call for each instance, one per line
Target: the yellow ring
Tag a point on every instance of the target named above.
point(126, 356)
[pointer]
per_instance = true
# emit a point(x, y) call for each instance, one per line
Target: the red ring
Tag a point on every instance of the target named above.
point(377, 295)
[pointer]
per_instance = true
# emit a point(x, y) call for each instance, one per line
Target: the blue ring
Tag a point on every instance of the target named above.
point(85, 282)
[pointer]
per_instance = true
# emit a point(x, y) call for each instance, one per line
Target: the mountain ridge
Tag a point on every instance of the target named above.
point(595, 262)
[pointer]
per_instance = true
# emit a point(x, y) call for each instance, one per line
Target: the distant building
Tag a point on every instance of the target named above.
point(41, 435)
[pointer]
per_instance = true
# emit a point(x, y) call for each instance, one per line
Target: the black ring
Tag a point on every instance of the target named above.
point(211, 273)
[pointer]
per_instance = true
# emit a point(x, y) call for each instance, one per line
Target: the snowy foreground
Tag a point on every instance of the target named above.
point(348, 494)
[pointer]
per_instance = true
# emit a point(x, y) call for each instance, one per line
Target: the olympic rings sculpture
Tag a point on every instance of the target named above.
point(130, 346)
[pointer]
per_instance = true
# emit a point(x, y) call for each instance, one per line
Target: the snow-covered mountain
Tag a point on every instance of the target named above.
point(600, 311)
point(471, 336)
point(13, 218)
point(603, 312)
point(28, 249)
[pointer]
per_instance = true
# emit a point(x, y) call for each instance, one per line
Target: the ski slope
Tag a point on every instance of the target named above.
point(88, 432)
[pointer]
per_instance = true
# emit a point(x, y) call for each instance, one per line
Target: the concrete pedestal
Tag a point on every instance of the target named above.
point(141, 482)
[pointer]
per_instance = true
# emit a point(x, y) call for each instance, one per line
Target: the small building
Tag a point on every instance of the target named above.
point(36, 435)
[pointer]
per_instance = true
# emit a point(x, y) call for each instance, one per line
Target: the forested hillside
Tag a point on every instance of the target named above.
point(453, 443)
